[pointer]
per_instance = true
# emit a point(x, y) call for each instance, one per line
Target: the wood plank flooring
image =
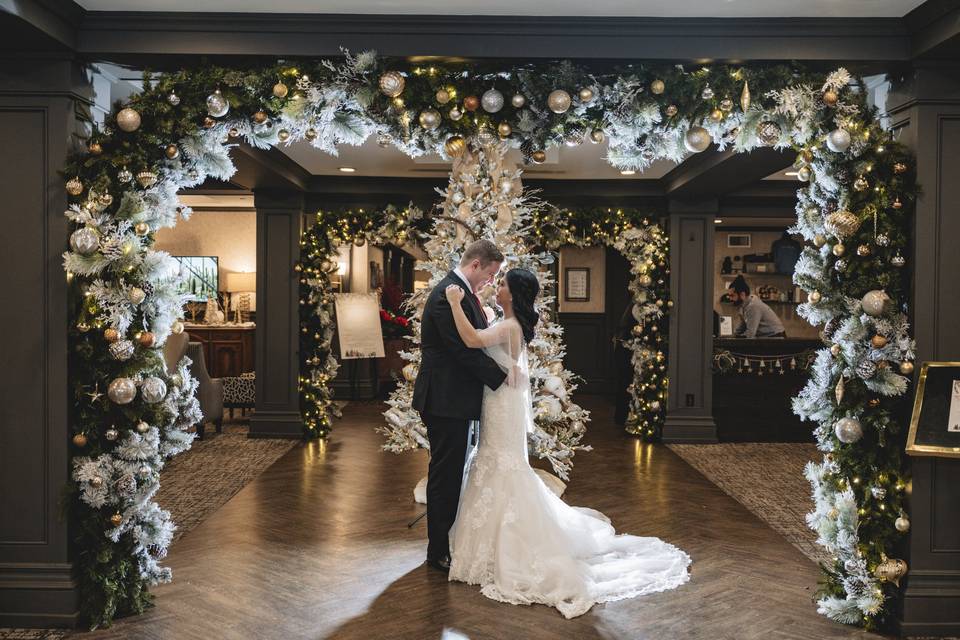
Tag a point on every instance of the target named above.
point(317, 547)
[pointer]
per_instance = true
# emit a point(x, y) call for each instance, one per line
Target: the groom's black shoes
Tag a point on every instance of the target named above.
point(440, 564)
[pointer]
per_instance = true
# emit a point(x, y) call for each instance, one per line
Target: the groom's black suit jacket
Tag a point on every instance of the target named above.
point(451, 378)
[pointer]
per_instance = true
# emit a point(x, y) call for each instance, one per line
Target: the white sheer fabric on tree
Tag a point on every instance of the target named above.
point(521, 543)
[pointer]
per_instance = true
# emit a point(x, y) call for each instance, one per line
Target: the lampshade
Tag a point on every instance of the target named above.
point(242, 281)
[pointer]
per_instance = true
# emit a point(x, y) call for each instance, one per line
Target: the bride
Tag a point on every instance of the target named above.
point(512, 536)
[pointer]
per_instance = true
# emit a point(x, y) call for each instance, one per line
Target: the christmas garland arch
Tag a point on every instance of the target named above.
point(853, 211)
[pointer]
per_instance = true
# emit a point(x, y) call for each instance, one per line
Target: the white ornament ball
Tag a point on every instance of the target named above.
point(84, 241)
point(518, 101)
point(875, 302)
point(838, 140)
point(153, 389)
point(848, 430)
point(902, 524)
point(142, 427)
point(554, 385)
point(128, 119)
point(457, 197)
point(122, 390)
point(559, 101)
point(111, 434)
point(697, 139)
point(429, 119)
point(492, 101)
point(409, 372)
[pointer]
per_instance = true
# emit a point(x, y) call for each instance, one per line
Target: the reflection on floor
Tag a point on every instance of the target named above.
point(317, 547)
point(766, 478)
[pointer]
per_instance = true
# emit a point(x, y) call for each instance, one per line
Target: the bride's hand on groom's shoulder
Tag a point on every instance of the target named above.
point(454, 294)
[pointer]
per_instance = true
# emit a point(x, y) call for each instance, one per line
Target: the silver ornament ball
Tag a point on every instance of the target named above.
point(429, 119)
point(848, 430)
point(217, 105)
point(492, 101)
point(122, 390)
point(153, 390)
point(875, 302)
point(518, 101)
point(136, 295)
point(121, 350)
point(84, 241)
point(111, 434)
point(902, 524)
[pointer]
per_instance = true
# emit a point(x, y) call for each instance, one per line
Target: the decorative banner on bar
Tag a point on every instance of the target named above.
point(725, 361)
point(358, 325)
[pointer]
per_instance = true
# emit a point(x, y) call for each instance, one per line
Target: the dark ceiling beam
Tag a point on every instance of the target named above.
point(935, 29)
point(267, 169)
point(177, 34)
point(55, 21)
point(715, 173)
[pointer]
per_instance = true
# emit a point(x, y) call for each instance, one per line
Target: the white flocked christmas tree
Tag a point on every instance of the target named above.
point(485, 199)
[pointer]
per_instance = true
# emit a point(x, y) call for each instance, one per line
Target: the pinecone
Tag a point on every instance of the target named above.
point(147, 287)
point(842, 176)
point(867, 369)
point(831, 327)
point(830, 207)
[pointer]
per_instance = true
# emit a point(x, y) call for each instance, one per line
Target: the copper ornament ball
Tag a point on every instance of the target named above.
point(471, 103)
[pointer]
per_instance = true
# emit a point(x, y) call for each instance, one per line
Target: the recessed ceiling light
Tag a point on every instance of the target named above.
point(627, 172)
point(347, 169)
point(717, 221)
point(791, 173)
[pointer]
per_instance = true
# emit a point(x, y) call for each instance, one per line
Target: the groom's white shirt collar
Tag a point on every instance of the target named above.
point(459, 274)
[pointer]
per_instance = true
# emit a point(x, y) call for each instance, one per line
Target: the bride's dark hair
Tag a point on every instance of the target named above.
point(524, 288)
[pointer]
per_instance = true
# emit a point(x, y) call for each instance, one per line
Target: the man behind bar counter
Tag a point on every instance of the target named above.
point(757, 320)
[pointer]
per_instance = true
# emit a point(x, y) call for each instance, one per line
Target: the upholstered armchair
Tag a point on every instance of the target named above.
point(174, 349)
point(209, 391)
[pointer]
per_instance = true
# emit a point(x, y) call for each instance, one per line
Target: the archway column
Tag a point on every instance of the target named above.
point(279, 222)
point(925, 109)
point(690, 402)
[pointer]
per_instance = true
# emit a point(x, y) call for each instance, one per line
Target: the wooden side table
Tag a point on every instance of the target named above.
point(228, 349)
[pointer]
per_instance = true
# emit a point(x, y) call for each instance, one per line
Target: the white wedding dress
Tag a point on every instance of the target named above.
point(518, 540)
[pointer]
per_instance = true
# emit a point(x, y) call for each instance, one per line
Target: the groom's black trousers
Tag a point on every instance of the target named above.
point(448, 451)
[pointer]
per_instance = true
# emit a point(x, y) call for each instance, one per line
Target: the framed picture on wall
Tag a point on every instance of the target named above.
point(739, 240)
point(935, 423)
point(576, 284)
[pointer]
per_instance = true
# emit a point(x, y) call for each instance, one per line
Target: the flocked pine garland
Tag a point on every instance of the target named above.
point(178, 130)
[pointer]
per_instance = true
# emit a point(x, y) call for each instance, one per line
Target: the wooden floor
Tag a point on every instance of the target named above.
point(317, 547)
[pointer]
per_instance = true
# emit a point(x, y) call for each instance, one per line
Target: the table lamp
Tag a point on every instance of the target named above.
point(242, 287)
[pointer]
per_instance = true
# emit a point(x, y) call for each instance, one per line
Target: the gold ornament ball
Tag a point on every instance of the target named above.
point(410, 372)
point(95, 148)
point(80, 440)
point(637, 330)
point(442, 96)
point(899, 167)
point(902, 524)
point(861, 184)
point(864, 250)
point(504, 130)
point(280, 90)
point(392, 84)
point(835, 350)
point(455, 146)
point(891, 570)
point(597, 136)
point(116, 519)
point(142, 228)
point(671, 110)
point(260, 117)
point(657, 87)
point(559, 101)
point(697, 139)
point(716, 115)
point(310, 134)
point(111, 335)
point(830, 97)
point(74, 186)
point(172, 152)
point(814, 297)
point(283, 135)
point(873, 402)
point(518, 101)
point(539, 156)
point(177, 328)
point(146, 339)
point(471, 103)
point(208, 122)
point(128, 119)
point(586, 94)
point(726, 105)
point(839, 249)
point(878, 341)
point(906, 367)
point(359, 241)
point(804, 174)
point(429, 119)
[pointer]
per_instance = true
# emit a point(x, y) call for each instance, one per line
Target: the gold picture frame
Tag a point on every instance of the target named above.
point(918, 443)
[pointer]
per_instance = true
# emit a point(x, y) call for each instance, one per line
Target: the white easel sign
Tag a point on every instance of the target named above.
point(358, 325)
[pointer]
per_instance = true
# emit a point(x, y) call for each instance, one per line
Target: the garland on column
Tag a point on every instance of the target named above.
point(644, 244)
point(178, 131)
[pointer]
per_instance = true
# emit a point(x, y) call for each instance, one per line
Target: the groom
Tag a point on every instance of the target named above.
point(448, 392)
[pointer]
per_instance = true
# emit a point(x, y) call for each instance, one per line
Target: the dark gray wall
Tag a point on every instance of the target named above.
point(36, 122)
point(926, 110)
